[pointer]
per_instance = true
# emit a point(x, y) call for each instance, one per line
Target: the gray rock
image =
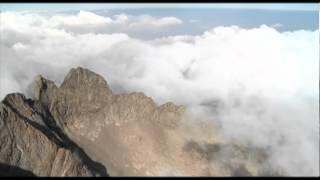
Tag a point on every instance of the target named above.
point(30, 141)
point(129, 134)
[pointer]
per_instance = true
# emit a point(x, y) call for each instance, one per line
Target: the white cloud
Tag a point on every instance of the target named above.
point(86, 22)
point(266, 81)
point(121, 18)
point(82, 18)
point(167, 21)
point(277, 25)
point(147, 22)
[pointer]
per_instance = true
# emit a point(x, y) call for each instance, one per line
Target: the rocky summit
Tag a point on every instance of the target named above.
point(83, 129)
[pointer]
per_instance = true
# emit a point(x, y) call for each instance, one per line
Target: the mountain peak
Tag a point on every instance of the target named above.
point(42, 86)
point(82, 78)
point(65, 129)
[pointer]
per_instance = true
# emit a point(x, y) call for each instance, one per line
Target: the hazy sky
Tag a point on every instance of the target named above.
point(196, 18)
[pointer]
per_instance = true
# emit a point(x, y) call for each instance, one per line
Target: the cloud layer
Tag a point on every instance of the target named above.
point(260, 84)
point(88, 22)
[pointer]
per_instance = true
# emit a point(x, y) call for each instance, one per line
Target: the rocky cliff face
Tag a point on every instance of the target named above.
point(30, 140)
point(127, 135)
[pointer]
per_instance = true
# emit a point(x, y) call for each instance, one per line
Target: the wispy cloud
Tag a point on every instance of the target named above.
point(85, 22)
point(277, 25)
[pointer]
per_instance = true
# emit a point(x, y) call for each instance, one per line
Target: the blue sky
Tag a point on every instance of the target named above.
point(93, 6)
point(197, 18)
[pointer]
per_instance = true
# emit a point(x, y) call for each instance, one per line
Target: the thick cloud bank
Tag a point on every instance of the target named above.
point(259, 84)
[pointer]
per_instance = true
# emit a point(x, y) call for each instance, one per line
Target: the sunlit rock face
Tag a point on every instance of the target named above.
point(82, 129)
point(31, 141)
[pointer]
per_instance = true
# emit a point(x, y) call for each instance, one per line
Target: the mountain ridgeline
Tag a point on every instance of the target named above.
point(83, 129)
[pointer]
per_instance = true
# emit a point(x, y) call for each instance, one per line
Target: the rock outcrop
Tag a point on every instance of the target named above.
point(31, 141)
point(129, 134)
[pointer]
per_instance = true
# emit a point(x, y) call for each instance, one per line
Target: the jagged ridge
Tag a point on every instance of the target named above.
point(128, 133)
